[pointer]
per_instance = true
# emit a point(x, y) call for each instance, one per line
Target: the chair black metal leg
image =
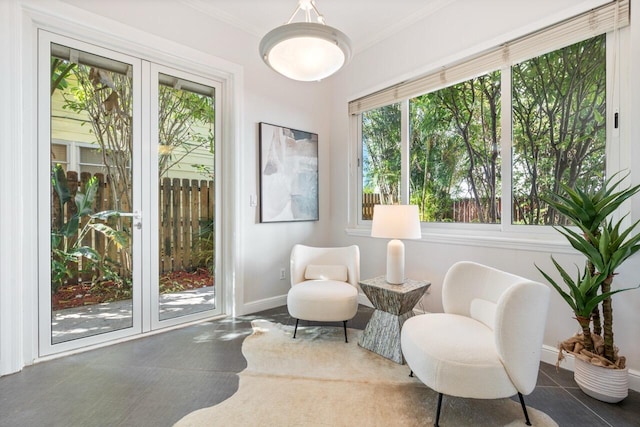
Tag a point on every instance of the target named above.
point(296, 329)
point(438, 410)
point(344, 323)
point(524, 409)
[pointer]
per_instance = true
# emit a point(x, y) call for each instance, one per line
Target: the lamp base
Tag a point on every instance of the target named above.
point(395, 262)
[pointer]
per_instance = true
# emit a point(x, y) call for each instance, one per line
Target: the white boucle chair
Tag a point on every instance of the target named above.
point(487, 343)
point(324, 284)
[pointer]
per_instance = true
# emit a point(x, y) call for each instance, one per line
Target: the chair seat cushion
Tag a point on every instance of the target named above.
point(455, 355)
point(323, 301)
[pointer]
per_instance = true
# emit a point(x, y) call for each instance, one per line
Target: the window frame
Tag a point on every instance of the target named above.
point(505, 234)
point(74, 156)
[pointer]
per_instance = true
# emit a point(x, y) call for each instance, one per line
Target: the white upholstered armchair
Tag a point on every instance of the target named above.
point(324, 284)
point(487, 343)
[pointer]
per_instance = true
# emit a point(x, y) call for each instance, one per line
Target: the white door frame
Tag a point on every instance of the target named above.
point(144, 165)
point(20, 280)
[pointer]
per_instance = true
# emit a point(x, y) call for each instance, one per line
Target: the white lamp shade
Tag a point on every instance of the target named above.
point(305, 51)
point(396, 222)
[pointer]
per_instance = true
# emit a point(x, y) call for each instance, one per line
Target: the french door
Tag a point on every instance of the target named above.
point(127, 195)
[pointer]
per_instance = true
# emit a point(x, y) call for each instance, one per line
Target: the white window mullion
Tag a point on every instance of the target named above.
point(74, 156)
point(614, 158)
point(404, 152)
point(148, 202)
point(618, 149)
point(506, 148)
point(357, 170)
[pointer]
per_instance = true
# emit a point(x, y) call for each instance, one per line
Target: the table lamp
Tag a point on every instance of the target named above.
point(395, 222)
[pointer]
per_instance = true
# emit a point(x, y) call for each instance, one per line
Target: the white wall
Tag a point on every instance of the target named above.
point(455, 32)
point(10, 211)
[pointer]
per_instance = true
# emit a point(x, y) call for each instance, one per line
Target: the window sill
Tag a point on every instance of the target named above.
point(548, 242)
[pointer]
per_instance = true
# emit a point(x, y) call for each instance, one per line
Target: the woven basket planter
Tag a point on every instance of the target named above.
point(607, 385)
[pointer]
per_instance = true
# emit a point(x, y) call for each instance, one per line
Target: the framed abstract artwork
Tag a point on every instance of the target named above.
point(288, 174)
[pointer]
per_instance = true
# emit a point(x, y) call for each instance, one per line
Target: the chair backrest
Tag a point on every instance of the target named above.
point(515, 309)
point(302, 256)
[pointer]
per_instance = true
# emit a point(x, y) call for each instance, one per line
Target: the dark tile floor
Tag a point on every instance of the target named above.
point(155, 381)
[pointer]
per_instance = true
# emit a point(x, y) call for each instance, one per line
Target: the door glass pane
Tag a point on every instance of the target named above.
point(186, 129)
point(91, 195)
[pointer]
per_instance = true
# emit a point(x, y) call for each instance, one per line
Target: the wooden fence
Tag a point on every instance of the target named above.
point(185, 206)
point(466, 210)
point(462, 210)
point(369, 200)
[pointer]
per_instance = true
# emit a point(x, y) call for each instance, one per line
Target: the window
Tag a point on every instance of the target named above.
point(454, 155)
point(59, 155)
point(489, 147)
point(79, 156)
point(559, 127)
point(381, 169)
point(91, 160)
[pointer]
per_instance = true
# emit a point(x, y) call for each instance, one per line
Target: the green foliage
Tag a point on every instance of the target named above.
point(186, 124)
point(588, 209)
point(558, 137)
point(559, 126)
point(381, 152)
point(614, 246)
point(583, 295)
point(67, 249)
point(60, 69)
point(454, 148)
point(204, 245)
point(604, 243)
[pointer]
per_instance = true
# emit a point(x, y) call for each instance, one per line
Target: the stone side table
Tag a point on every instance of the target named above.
point(394, 304)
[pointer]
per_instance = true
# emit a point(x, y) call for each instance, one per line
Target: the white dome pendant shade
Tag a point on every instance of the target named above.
point(305, 51)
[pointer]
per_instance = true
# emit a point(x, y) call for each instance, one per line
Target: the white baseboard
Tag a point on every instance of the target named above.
point(362, 299)
point(550, 355)
point(263, 304)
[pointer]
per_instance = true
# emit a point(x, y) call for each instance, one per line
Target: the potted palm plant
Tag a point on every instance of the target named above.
point(606, 244)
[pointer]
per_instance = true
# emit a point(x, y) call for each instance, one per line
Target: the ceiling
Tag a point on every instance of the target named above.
point(365, 21)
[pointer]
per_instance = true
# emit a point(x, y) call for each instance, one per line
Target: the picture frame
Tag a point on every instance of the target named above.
point(288, 174)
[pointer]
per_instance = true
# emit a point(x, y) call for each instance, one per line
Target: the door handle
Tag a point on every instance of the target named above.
point(137, 218)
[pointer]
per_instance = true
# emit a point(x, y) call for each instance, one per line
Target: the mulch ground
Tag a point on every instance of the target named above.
point(81, 294)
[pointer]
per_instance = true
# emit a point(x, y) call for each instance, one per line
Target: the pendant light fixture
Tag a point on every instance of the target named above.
point(305, 51)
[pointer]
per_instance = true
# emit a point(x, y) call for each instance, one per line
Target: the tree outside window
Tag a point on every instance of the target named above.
point(454, 146)
point(558, 137)
point(559, 127)
point(381, 139)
